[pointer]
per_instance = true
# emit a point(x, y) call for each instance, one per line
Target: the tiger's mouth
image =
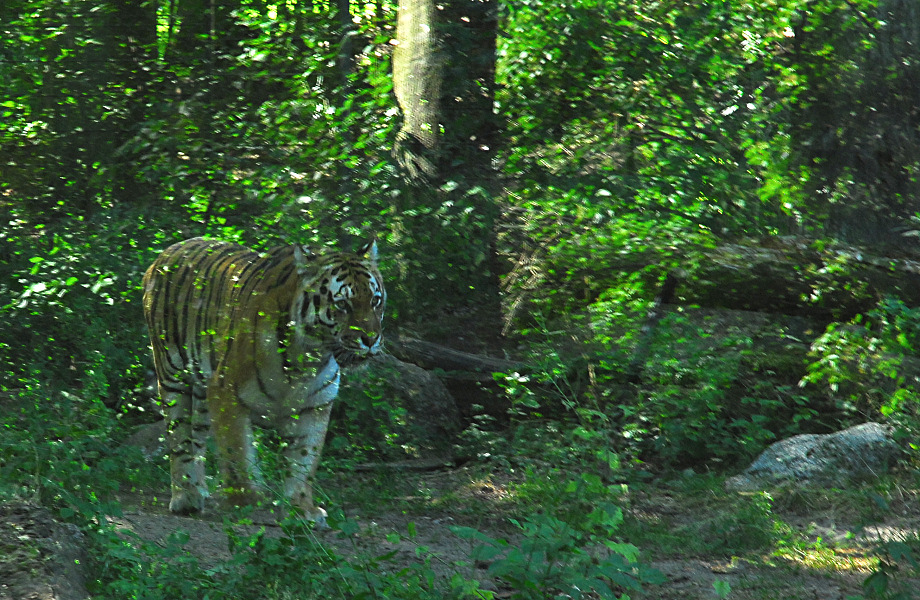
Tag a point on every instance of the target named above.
point(349, 355)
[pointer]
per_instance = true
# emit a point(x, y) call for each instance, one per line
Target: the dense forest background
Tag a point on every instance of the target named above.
point(536, 172)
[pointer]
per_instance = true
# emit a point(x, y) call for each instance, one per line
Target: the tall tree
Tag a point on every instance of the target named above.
point(81, 70)
point(853, 116)
point(443, 59)
point(129, 37)
point(418, 71)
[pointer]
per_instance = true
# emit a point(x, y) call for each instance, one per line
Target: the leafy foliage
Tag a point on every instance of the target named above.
point(574, 555)
point(617, 142)
point(58, 450)
point(868, 366)
point(294, 565)
point(68, 298)
point(702, 402)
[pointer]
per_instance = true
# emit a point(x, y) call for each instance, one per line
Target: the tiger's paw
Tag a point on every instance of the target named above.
point(317, 516)
point(185, 502)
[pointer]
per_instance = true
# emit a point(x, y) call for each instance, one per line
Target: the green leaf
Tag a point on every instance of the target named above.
point(627, 551)
point(900, 551)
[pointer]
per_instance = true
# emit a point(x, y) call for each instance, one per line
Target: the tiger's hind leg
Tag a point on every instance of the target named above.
point(236, 452)
point(187, 427)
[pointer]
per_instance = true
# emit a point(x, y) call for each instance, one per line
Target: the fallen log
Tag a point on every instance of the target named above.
point(417, 465)
point(455, 363)
point(800, 277)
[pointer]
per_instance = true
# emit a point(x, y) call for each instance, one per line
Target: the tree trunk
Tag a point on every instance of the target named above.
point(472, 136)
point(194, 24)
point(204, 36)
point(346, 66)
point(444, 217)
point(417, 76)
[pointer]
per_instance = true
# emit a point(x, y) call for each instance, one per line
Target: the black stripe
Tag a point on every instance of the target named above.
point(307, 409)
point(163, 317)
point(218, 303)
point(248, 278)
point(168, 386)
point(206, 319)
point(254, 349)
point(282, 278)
point(185, 259)
point(214, 304)
point(262, 386)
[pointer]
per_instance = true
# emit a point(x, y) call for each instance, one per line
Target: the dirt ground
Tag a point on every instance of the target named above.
point(42, 558)
point(686, 578)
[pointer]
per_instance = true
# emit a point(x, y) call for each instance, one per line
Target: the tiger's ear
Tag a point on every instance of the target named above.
point(302, 255)
point(369, 250)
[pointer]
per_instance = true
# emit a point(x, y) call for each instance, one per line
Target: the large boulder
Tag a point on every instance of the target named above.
point(412, 408)
point(860, 453)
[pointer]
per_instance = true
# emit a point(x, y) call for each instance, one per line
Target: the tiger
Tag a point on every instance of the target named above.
point(238, 335)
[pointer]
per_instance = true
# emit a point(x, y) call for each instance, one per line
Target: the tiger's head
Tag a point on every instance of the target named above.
point(342, 301)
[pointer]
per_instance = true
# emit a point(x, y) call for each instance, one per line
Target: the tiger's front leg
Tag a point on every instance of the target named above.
point(303, 445)
point(304, 435)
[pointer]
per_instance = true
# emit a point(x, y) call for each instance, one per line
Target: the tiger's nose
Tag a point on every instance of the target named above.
point(369, 339)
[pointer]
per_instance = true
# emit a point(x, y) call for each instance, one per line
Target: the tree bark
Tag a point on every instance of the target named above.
point(459, 365)
point(468, 377)
point(417, 76)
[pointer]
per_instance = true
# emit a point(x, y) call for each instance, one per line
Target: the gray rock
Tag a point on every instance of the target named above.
point(860, 453)
point(432, 419)
point(151, 439)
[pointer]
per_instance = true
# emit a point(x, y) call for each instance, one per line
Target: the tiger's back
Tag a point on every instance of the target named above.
point(188, 300)
point(235, 332)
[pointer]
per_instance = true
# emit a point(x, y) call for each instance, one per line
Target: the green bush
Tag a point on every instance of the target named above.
point(867, 368)
point(71, 310)
point(574, 553)
point(711, 394)
point(292, 566)
point(57, 445)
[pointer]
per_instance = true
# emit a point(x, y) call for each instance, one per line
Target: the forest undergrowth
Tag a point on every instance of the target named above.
point(692, 224)
point(561, 497)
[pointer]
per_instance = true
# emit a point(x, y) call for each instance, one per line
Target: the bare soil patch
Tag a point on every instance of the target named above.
point(833, 559)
